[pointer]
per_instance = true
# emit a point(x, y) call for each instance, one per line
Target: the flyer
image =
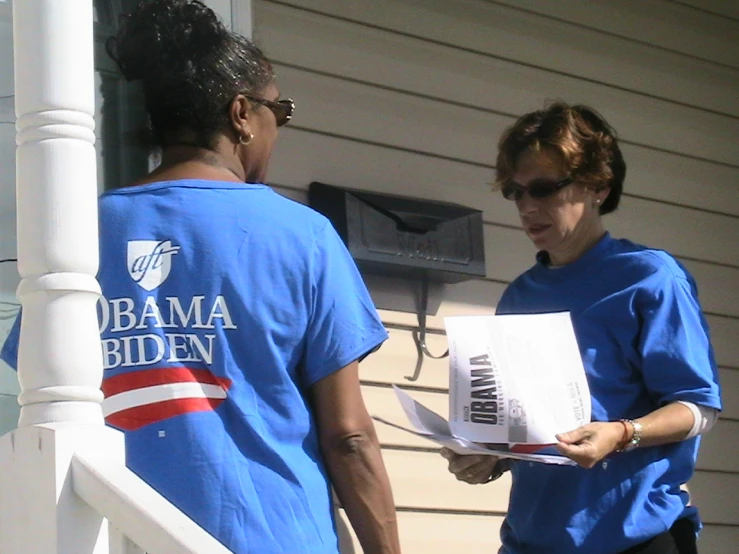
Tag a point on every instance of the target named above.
point(515, 381)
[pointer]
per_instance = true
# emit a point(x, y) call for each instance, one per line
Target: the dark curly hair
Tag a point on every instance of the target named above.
point(586, 143)
point(190, 66)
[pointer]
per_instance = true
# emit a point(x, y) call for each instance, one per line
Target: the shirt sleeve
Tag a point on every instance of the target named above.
point(704, 418)
point(505, 304)
point(9, 352)
point(678, 362)
point(343, 325)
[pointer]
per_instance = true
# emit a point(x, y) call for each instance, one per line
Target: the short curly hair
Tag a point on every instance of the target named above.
point(191, 67)
point(580, 136)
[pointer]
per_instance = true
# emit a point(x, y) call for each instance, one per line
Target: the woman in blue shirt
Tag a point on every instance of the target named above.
point(644, 343)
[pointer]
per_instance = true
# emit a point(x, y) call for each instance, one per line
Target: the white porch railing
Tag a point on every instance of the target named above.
point(137, 512)
point(62, 472)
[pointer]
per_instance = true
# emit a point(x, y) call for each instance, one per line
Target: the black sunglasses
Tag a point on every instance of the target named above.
point(537, 189)
point(283, 109)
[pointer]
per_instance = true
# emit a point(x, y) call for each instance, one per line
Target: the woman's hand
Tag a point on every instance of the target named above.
point(590, 443)
point(473, 469)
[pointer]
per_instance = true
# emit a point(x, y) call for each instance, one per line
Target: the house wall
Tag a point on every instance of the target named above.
point(410, 96)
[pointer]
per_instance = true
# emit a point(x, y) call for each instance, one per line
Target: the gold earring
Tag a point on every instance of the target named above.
point(247, 140)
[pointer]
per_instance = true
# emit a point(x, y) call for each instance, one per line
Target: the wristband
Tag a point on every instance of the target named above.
point(636, 434)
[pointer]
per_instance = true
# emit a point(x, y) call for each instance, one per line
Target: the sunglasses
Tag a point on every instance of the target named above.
point(283, 109)
point(537, 189)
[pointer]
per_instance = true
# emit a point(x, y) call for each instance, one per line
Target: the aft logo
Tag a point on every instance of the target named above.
point(150, 261)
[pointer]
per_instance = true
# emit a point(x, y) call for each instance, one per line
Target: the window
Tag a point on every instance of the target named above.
point(120, 115)
point(8, 273)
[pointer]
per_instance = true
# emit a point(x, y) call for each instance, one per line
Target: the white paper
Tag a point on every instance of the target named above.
point(513, 380)
point(426, 419)
point(516, 379)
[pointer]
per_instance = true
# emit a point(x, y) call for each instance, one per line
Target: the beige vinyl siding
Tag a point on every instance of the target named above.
point(410, 96)
point(711, 39)
point(723, 8)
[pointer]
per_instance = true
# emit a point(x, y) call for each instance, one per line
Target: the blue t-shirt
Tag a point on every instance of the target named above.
point(224, 303)
point(644, 343)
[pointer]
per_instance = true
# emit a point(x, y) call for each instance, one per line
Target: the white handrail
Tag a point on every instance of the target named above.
point(137, 510)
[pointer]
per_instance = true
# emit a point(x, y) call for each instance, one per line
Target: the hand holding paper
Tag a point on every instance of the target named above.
point(590, 444)
point(515, 382)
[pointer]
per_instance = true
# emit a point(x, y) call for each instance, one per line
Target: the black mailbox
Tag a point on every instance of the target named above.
point(405, 237)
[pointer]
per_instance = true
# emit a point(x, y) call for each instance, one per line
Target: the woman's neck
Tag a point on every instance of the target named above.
point(189, 161)
point(574, 249)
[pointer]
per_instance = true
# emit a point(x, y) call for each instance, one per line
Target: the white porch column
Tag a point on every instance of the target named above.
point(60, 360)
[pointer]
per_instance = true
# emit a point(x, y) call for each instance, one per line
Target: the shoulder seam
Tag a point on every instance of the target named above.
point(664, 264)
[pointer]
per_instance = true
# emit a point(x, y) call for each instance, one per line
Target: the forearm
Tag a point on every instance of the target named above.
point(668, 424)
point(590, 443)
point(358, 475)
